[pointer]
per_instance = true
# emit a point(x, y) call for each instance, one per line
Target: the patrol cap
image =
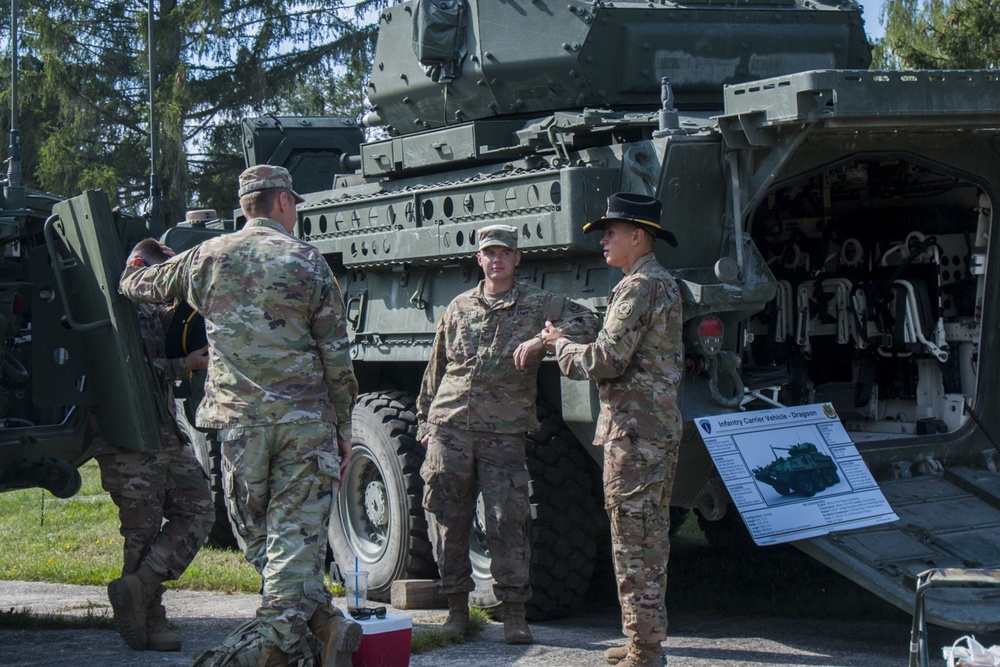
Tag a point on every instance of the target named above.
point(265, 177)
point(504, 235)
point(640, 210)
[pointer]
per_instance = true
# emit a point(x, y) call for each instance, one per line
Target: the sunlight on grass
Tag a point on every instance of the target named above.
point(76, 541)
point(435, 638)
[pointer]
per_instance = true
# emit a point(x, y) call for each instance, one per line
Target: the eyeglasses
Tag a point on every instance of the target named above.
point(364, 613)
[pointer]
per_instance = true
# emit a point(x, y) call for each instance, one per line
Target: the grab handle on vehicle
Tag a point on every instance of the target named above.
point(57, 264)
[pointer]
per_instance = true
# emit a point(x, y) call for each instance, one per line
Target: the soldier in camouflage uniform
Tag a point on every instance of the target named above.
point(637, 361)
point(163, 498)
point(476, 403)
point(280, 389)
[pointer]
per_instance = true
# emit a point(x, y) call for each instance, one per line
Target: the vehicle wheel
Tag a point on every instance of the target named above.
point(729, 532)
point(830, 477)
point(782, 488)
point(378, 518)
point(806, 484)
point(678, 515)
point(208, 452)
point(562, 524)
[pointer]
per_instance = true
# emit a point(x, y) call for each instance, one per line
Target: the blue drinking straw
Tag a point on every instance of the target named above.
point(357, 574)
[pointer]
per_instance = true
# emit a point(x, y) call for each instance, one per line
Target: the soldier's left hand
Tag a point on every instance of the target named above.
point(527, 351)
point(550, 334)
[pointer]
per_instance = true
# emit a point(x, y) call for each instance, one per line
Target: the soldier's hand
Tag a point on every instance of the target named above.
point(550, 334)
point(527, 351)
point(346, 448)
point(197, 359)
point(424, 440)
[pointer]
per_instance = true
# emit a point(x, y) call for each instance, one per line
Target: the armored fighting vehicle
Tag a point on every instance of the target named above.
point(834, 229)
point(70, 348)
point(804, 470)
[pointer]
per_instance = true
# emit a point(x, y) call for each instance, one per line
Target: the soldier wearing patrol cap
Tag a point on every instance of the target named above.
point(636, 361)
point(280, 391)
point(476, 403)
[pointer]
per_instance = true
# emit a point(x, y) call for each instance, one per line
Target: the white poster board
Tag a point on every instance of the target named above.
point(793, 472)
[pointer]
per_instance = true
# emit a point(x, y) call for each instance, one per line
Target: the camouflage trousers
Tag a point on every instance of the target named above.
point(281, 481)
point(457, 465)
point(638, 478)
point(164, 504)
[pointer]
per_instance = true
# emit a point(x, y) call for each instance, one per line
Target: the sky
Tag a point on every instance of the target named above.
point(873, 8)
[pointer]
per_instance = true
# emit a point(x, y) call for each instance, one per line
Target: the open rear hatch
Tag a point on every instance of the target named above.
point(946, 520)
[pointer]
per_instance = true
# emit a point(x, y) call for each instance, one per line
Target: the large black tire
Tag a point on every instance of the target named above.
point(378, 518)
point(729, 532)
point(208, 452)
point(563, 524)
point(806, 484)
point(782, 488)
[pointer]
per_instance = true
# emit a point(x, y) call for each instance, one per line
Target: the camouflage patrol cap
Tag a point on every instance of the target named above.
point(265, 177)
point(504, 235)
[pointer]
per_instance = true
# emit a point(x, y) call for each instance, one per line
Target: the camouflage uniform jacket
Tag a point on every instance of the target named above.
point(471, 382)
point(274, 316)
point(637, 359)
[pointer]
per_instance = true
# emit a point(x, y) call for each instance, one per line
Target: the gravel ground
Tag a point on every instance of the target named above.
point(696, 640)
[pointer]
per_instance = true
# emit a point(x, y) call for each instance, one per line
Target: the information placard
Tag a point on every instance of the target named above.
point(793, 472)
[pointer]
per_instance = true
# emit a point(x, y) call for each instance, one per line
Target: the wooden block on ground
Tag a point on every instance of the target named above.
point(417, 594)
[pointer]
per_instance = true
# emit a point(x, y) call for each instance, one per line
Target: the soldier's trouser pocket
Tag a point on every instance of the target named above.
point(630, 465)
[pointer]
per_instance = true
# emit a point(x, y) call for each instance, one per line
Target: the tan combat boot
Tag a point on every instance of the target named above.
point(643, 655)
point(616, 654)
point(515, 627)
point(340, 637)
point(272, 656)
point(159, 635)
point(458, 614)
point(130, 597)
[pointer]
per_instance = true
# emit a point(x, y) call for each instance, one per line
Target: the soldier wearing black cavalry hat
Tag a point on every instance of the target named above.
point(636, 361)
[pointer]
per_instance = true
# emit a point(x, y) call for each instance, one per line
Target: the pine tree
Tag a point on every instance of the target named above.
point(943, 34)
point(215, 61)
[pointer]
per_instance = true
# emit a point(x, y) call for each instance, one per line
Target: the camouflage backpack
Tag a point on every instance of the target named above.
point(242, 649)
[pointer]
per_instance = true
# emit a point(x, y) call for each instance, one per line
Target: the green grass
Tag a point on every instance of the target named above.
point(76, 541)
point(433, 638)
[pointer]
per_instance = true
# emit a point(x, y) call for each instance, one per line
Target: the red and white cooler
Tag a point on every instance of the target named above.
point(386, 642)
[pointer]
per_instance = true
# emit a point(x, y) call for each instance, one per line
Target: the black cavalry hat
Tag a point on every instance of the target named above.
point(635, 209)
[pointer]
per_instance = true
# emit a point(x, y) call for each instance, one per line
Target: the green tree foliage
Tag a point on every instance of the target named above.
point(84, 63)
point(942, 34)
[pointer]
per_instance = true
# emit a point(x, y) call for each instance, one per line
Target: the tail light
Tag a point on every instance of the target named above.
point(706, 334)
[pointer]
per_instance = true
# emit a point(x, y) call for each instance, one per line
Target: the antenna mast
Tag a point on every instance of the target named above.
point(14, 150)
point(153, 222)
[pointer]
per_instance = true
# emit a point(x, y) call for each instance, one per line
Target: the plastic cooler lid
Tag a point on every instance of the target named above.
point(391, 623)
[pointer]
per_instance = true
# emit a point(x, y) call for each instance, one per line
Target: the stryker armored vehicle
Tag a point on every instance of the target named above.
point(70, 347)
point(69, 344)
point(804, 470)
point(834, 229)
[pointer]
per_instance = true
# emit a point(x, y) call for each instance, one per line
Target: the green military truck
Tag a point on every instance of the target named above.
point(834, 229)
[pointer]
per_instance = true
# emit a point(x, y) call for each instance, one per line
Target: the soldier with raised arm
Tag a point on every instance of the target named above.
point(280, 389)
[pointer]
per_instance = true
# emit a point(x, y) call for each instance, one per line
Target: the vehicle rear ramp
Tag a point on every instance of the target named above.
point(946, 520)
